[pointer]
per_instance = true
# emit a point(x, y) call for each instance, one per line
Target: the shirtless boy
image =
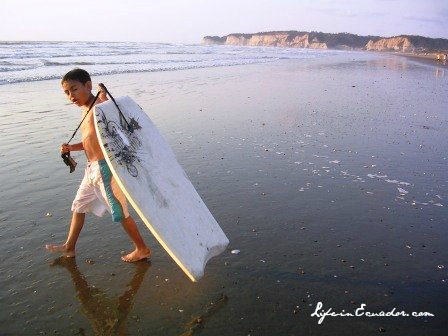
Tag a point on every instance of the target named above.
point(98, 191)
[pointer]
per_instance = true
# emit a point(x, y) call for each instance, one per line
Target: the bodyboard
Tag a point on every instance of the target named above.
point(157, 187)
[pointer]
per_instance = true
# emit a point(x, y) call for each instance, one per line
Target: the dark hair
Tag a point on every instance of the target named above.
point(78, 75)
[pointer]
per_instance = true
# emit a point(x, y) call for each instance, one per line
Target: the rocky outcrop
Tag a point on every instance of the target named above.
point(400, 43)
point(292, 39)
point(214, 40)
point(342, 41)
point(274, 40)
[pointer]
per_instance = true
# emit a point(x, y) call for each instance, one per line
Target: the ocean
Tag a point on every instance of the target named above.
point(34, 61)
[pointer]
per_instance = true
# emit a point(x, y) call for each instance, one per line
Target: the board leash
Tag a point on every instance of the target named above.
point(122, 117)
point(91, 105)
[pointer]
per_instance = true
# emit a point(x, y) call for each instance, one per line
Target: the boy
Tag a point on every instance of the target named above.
point(98, 191)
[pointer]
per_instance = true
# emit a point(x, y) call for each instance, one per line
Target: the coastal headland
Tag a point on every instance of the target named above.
point(418, 45)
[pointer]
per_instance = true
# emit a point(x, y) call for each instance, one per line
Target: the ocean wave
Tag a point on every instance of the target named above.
point(35, 77)
point(15, 68)
point(34, 61)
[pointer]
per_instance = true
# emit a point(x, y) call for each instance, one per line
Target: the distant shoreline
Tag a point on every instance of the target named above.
point(341, 41)
point(430, 58)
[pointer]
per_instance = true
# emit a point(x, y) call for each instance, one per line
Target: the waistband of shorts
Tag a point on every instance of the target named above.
point(97, 162)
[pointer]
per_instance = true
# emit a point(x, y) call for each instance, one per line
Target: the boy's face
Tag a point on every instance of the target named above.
point(78, 93)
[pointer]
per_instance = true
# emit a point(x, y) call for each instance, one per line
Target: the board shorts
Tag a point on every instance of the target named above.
point(99, 192)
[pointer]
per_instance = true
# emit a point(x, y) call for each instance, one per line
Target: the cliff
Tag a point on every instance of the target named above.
point(316, 40)
point(408, 43)
point(276, 40)
point(402, 44)
point(294, 39)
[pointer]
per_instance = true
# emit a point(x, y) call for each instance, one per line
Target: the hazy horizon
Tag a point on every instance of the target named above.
point(200, 39)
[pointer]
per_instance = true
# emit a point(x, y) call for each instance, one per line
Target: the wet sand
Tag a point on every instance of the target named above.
point(430, 59)
point(329, 176)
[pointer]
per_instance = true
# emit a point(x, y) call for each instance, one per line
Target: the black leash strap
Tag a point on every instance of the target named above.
point(91, 105)
point(130, 128)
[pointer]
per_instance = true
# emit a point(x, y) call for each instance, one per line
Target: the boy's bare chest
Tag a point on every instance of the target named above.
point(88, 127)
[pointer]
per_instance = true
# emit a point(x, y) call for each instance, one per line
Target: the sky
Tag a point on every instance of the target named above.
point(187, 21)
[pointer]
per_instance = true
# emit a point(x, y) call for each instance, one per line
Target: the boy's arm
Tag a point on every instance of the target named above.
point(102, 91)
point(72, 148)
point(76, 147)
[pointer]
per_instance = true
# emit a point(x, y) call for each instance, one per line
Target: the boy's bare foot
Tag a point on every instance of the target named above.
point(61, 249)
point(137, 255)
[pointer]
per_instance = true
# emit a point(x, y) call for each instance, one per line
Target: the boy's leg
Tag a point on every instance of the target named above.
point(141, 250)
point(68, 248)
point(114, 197)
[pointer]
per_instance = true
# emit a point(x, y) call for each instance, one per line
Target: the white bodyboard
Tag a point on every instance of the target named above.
point(156, 186)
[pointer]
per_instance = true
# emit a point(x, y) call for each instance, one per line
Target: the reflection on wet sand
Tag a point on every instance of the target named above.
point(197, 322)
point(392, 63)
point(439, 72)
point(107, 315)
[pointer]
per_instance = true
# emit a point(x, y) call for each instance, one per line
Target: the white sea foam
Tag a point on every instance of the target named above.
point(392, 181)
point(33, 61)
point(376, 176)
point(402, 191)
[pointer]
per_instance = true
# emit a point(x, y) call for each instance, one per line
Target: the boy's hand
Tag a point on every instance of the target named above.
point(102, 91)
point(65, 148)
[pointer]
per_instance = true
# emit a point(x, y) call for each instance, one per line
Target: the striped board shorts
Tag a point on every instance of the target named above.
point(99, 192)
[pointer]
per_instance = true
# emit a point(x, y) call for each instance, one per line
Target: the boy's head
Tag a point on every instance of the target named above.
point(79, 75)
point(77, 85)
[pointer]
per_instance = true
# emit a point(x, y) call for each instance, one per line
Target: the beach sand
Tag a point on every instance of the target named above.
point(429, 58)
point(328, 175)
